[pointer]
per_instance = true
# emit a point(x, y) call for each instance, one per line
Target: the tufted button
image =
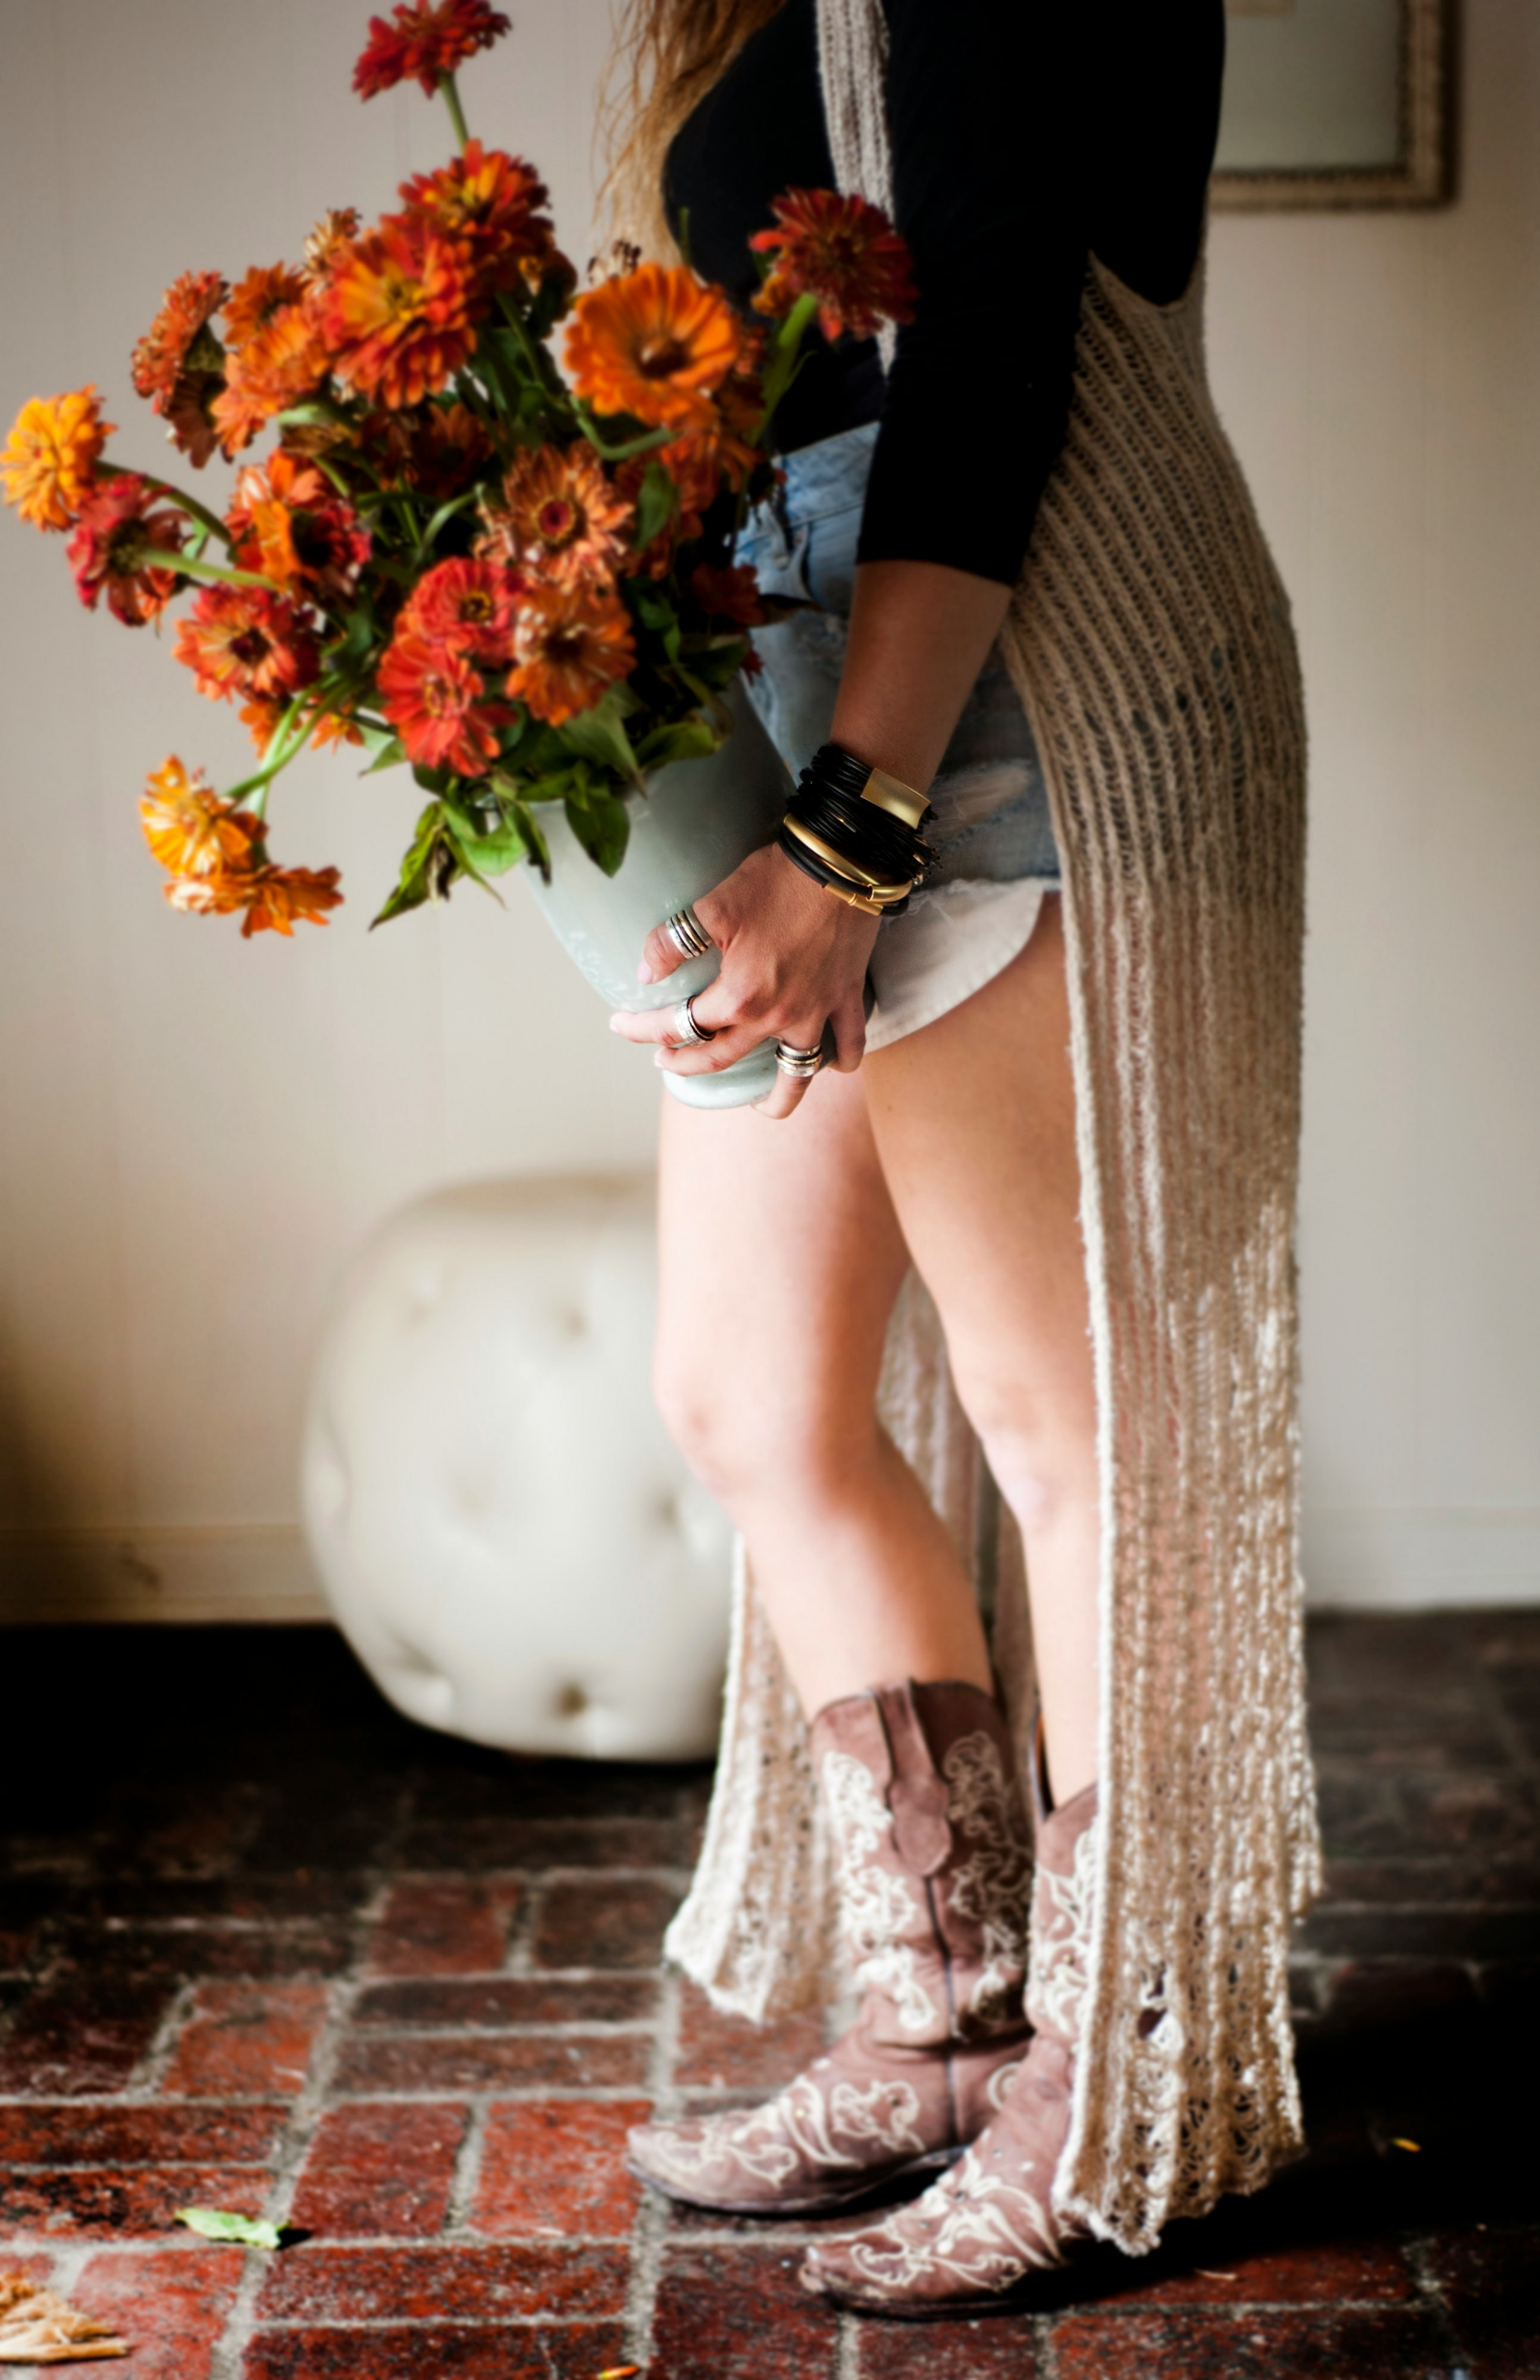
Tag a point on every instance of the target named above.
point(508, 1537)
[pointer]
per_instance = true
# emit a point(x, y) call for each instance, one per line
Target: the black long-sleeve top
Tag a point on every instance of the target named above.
point(1027, 135)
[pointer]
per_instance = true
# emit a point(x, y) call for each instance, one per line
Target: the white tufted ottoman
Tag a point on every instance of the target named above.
point(504, 1532)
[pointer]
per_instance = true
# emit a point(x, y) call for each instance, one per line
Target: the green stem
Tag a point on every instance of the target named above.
point(450, 98)
point(190, 506)
point(154, 559)
point(285, 746)
point(643, 445)
point(784, 357)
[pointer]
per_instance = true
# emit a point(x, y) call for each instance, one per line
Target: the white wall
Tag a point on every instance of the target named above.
point(196, 1131)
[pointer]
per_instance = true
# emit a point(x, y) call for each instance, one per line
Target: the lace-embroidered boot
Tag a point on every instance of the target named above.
point(934, 1871)
point(992, 2220)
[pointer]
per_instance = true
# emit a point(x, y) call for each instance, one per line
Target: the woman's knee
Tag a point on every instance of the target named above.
point(747, 1429)
point(1042, 1450)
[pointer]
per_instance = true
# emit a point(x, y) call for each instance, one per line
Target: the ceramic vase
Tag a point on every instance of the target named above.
point(697, 821)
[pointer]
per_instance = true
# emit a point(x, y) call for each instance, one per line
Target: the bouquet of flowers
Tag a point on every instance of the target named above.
point(517, 583)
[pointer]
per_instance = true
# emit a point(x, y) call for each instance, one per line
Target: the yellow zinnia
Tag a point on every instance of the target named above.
point(49, 460)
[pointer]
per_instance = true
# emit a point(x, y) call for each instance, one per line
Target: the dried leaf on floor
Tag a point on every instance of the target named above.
point(38, 2328)
point(218, 2223)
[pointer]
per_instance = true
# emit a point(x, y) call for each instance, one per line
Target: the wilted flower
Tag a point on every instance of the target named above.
point(116, 528)
point(192, 830)
point(570, 644)
point(49, 460)
point(179, 364)
point(558, 516)
point(842, 252)
point(243, 641)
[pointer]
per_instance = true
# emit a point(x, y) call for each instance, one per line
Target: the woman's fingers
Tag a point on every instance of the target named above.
point(660, 955)
point(784, 1098)
point(849, 1021)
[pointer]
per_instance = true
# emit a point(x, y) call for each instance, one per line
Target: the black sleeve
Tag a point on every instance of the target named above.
point(987, 190)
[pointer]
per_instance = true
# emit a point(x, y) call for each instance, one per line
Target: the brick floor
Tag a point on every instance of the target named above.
point(266, 1945)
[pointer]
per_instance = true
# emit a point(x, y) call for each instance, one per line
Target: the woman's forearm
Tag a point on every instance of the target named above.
point(920, 632)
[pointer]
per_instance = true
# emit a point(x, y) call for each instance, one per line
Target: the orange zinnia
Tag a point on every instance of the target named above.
point(842, 252)
point(569, 644)
point(257, 300)
point(394, 313)
point(276, 899)
point(558, 516)
point(432, 698)
point(279, 366)
point(49, 460)
point(490, 202)
point(466, 605)
point(428, 41)
point(654, 344)
point(337, 229)
point(289, 526)
point(241, 641)
point(118, 526)
point(192, 830)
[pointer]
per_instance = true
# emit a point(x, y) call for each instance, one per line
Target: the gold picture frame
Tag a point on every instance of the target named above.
point(1337, 103)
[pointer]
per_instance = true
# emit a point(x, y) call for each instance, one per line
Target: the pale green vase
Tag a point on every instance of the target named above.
point(698, 821)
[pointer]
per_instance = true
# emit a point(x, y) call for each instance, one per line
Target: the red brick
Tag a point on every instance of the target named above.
point(1325, 2272)
point(740, 2313)
point(383, 2169)
point(248, 2038)
point(1344, 2345)
point(75, 2134)
point(171, 2310)
point(1491, 2283)
point(137, 2201)
point(437, 2061)
point(1000, 2348)
point(83, 2035)
point(180, 1952)
point(492, 2351)
point(612, 1922)
point(726, 2051)
point(442, 1929)
point(435, 2284)
point(478, 1844)
point(557, 2166)
point(493, 2002)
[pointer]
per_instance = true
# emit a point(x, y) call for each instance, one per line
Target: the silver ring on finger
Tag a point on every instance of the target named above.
point(686, 1032)
point(801, 1064)
point(687, 934)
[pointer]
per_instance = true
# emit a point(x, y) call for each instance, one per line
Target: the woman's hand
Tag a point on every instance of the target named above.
point(794, 958)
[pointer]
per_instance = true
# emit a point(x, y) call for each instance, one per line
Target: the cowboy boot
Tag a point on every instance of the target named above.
point(992, 2219)
point(933, 1868)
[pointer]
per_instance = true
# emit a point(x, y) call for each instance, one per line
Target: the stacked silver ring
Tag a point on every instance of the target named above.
point(687, 934)
point(686, 1030)
point(801, 1064)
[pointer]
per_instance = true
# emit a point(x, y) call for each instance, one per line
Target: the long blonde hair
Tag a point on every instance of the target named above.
point(667, 55)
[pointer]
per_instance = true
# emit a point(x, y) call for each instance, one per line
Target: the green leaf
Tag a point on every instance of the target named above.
point(417, 883)
point(600, 734)
point(488, 843)
point(603, 825)
point(686, 739)
point(656, 500)
point(387, 755)
point(217, 2223)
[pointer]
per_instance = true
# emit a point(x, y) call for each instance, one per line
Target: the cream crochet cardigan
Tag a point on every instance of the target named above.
point(1150, 641)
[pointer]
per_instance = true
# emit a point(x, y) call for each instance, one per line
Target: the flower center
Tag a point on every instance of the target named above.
point(556, 521)
point(661, 356)
point(251, 647)
point(476, 608)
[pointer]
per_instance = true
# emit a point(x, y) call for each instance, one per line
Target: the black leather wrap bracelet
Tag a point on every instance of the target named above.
point(855, 830)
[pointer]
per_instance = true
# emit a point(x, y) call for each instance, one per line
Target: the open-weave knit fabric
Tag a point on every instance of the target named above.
point(1150, 641)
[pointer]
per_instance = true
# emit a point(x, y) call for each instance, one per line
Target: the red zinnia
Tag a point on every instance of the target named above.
point(394, 313)
point(842, 252)
point(116, 528)
point(466, 605)
point(490, 204)
point(731, 594)
point(432, 698)
point(241, 641)
point(429, 41)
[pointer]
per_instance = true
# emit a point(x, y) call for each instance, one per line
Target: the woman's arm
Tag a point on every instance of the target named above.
point(793, 957)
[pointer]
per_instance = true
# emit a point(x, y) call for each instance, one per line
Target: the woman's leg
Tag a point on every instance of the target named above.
point(973, 1120)
point(781, 1259)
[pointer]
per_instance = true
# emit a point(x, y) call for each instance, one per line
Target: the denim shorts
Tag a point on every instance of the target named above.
point(992, 832)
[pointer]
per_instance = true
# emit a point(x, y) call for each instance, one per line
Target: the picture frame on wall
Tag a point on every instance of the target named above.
point(1336, 103)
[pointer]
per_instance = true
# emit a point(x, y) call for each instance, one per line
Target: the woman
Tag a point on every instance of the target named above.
point(1072, 1108)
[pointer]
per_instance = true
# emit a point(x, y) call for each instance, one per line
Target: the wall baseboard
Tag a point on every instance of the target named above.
point(1378, 1558)
point(1421, 1558)
point(258, 1572)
